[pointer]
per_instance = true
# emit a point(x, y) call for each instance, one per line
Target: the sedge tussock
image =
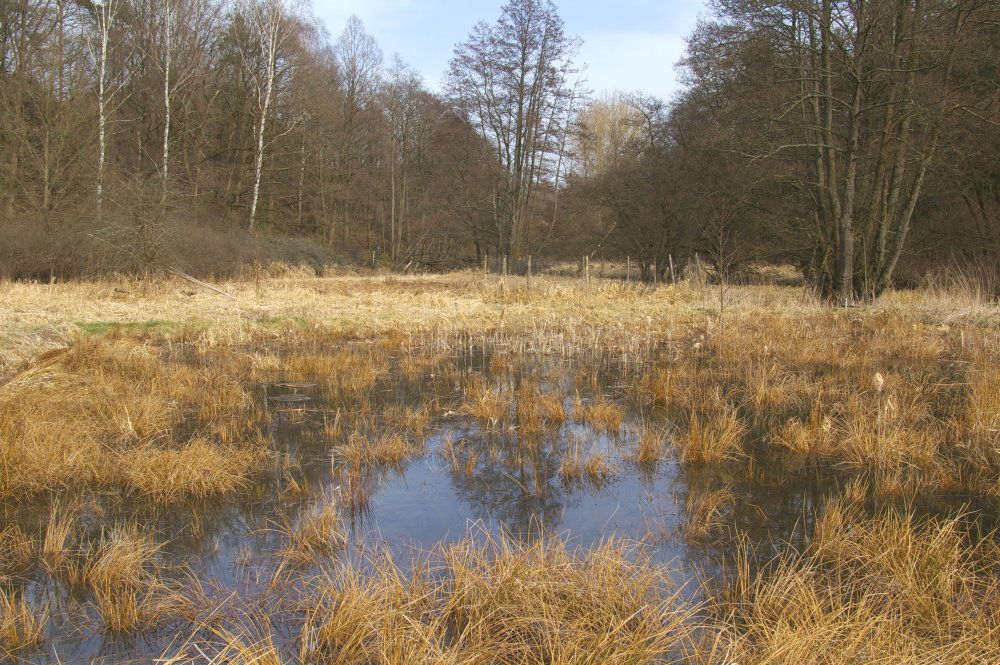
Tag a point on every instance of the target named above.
point(475, 602)
point(888, 589)
point(56, 544)
point(382, 449)
point(117, 413)
point(712, 438)
point(706, 513)
point(196, 469)
point(488, 406)
point(22, 625)
point(319, 532)
point(602, 416)
point(17, 550)
point(650, 447)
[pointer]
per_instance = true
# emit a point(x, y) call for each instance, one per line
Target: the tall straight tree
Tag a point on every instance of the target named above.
point(269, 29)
point(105, 15)
point(510, 79)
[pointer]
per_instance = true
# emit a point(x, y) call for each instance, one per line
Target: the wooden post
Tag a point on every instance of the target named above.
point(673, 277)
point(529, 273)
point(486, 264)
point(504, 265)
point(628, 268)
point(586, 268)
point(656, 274)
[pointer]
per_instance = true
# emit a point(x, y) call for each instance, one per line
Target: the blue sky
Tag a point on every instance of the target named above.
point(629, 45)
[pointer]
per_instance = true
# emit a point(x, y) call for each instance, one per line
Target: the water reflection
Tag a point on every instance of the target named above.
point(500, 477)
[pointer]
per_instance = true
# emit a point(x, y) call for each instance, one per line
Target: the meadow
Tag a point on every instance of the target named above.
point(470, 468)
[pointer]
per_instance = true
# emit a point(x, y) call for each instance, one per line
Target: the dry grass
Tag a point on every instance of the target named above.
point(56, 544)
point(362, 449)
point(487, 405)
point(602, 416)
point(118, 414)
point(22, 626)
point(791, 372)
point(17, 551)
point(594, 466)
point(499, 601)
point(319, 532)
point(713, 437)
point(883, 590)
point(650, 447)
point(706, 513)
point(173, 411)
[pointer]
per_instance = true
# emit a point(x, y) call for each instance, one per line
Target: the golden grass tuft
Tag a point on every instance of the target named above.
point(522, 603)
point(363, 449)
point(17, 550)
point(650, 447)
point(56, 550)
point(602, 416)
point(21, 625)
point(706, 513)
point(196, 469)
point(489, 407)
point(319, 532)
point(712, 438)
point(887, 589)
point(116, 413)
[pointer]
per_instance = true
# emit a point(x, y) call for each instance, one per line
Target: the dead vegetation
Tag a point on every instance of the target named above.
point(888, 589)
point(477, 602)
point(892, 402)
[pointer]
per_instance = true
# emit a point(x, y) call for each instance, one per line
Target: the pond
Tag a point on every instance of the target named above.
point(434, 447)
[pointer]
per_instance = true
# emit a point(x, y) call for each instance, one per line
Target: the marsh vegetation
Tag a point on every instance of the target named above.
point(454, 469)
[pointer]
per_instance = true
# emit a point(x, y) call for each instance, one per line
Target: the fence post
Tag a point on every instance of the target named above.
point(486, 264)
point(586, 268)
point(656, 273)
point(673, 277)
point(628, 268)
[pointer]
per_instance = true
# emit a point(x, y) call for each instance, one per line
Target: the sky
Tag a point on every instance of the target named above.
point(628, 45)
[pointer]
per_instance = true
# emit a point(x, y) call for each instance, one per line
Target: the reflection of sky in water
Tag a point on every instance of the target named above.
point(232, 546)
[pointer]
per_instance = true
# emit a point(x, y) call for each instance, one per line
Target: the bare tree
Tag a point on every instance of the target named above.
point(510, 80)
point(270, 28)
point(105, 14)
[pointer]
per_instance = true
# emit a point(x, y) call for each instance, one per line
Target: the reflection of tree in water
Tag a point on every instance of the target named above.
point(771, 515)
point(515, 481)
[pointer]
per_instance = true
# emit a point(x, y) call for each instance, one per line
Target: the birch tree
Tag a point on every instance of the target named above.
point(105, 14)
point(270, 27)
